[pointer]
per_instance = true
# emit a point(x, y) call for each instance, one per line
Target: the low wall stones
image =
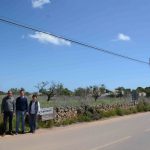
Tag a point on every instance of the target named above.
point(63, 113)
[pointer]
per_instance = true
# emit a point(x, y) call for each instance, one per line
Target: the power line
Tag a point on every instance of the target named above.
point(15, 23)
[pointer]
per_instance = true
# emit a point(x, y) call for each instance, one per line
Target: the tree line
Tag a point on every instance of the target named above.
point(51, 89)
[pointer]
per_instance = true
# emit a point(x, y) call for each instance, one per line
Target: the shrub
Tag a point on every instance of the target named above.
point(84, 118)
point(109, 113)
point(96, 116)
point(143, 106)
point(119, 112)
point(46, 124)
point(146, 106)
point(68, 121)
point(127, 111)
point(133, 110)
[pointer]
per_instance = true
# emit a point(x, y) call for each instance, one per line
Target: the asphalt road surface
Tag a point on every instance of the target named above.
point(121, 133)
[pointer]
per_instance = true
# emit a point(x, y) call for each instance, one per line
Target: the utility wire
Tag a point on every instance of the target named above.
point(15, 23)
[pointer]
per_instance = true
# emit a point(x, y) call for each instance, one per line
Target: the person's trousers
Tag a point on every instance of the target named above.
point(32, 120)
point(8, 114)
point(20, 115)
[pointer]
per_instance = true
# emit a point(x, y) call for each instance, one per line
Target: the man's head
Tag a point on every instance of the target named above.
point(21, 92)
point(34, 97)
point(9, 93)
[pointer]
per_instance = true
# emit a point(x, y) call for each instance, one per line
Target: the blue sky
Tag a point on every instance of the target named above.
point(28, 58)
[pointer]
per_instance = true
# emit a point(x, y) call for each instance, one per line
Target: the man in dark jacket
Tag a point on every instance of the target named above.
point(34, 109)
point(8, 108)
point(21, 110)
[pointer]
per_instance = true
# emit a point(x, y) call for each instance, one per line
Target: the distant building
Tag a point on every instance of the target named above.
point(142, 94)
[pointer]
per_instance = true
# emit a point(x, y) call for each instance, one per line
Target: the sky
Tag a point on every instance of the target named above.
point(121, 26)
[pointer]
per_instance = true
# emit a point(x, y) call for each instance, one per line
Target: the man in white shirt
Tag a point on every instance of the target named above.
point(34, 109)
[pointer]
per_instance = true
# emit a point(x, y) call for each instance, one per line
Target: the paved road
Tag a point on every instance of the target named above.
point(122, 133)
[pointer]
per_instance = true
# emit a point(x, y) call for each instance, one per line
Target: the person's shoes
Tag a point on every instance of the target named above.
point(16, 133)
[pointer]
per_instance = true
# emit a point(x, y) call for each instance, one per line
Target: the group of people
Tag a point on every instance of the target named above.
point(20, 108)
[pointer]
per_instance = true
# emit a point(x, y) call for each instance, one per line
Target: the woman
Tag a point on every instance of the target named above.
point(34, 109)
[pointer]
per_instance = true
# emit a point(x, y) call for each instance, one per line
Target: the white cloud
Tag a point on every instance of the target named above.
point(45, 38)
point(123, 37)
point(39, 3)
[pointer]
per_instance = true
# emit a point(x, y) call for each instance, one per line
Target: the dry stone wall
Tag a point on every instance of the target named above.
point(62, 113)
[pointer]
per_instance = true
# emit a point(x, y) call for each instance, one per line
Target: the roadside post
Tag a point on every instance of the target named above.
point(47, 114)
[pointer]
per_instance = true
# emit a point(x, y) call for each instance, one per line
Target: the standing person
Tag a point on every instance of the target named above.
point(21, 110)
point(8, 109)
point(34, 109)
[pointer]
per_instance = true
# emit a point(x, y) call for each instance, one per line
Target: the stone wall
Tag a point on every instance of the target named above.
point(62, 113)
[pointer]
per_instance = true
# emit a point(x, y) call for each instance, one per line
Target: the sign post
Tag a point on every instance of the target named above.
point(47, 113)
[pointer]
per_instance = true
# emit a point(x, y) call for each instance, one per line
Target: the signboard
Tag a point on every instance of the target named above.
point(47, 113)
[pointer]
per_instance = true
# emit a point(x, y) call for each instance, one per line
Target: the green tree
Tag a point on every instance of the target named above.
point(140, 90)
point(97, 91)
point(127, 92)
point(52, 89)
point(120, 91)
point(47, 89)
point(147, 91)
point(66, 92)
point(80, 92)
point(16, 91)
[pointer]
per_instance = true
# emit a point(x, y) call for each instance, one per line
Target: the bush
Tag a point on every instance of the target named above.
point(68, 121)
point(143, 106)
point(45, 124)
point(127, 111)
point(109, 113)
point(146, 106)
point(84, 118)
point(119, 111)
point(140, 107)
point(133, 110)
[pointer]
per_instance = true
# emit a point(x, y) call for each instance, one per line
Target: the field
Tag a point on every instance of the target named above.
point(73, 101)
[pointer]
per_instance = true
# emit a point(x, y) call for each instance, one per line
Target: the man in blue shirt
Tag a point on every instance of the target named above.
point(21, 110)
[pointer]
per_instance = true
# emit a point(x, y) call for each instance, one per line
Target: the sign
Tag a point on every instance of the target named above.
point(47, 113)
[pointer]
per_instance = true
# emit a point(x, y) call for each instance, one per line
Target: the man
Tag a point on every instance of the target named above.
point(8, 109)
point(34, 108)
point(21, 110)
